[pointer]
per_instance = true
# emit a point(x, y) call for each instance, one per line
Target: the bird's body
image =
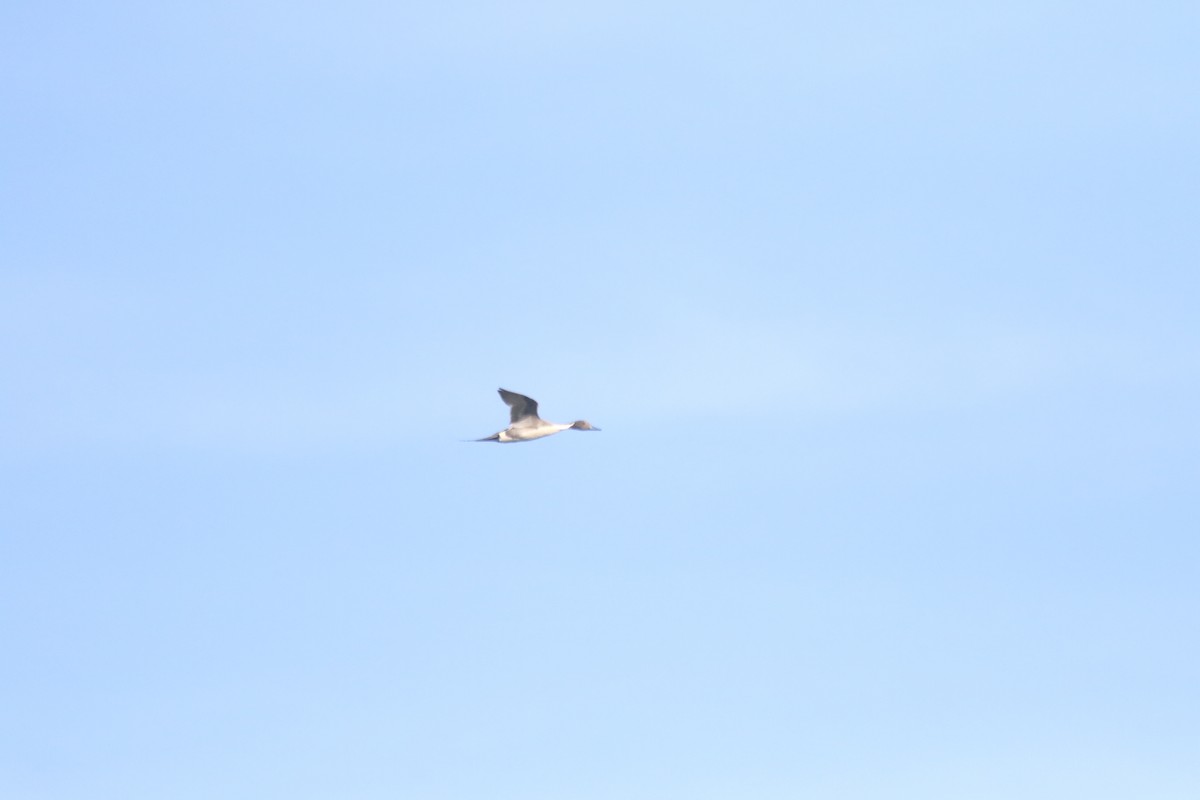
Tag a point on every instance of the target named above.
point(525, 425)
point(530, 432)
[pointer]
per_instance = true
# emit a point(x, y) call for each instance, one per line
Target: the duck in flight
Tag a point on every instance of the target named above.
point(526, 424)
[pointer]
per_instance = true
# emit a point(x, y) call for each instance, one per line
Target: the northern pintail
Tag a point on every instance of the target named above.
point(526, 424)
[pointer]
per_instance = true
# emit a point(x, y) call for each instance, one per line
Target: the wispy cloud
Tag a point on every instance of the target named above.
point(709, 365)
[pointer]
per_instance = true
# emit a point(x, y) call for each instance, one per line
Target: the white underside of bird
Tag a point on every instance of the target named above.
point(518, 433)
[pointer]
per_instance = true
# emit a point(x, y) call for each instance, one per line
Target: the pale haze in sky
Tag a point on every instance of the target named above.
point(889, 313)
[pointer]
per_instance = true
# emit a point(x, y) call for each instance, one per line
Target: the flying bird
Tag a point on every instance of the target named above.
point(526, 424)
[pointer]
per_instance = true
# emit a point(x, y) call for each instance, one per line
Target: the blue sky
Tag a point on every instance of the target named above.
point(888, 315)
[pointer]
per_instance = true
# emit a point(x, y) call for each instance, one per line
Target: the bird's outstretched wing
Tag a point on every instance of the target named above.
point(521, 405)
